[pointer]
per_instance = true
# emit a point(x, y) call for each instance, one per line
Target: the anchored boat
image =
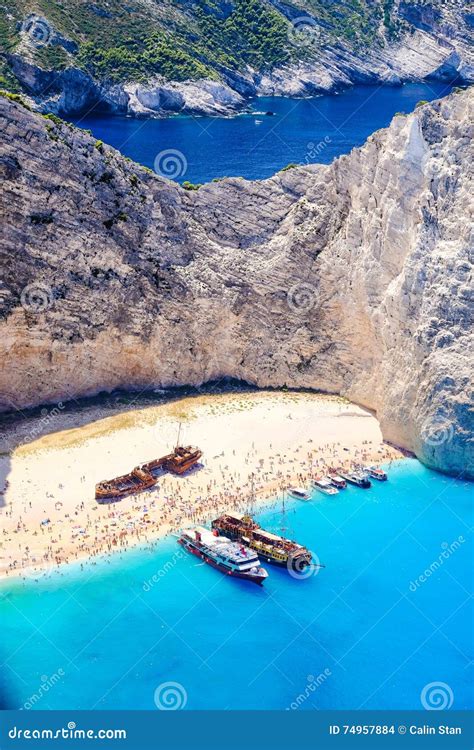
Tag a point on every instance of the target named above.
point(324, 485)
point(336, 480)
point(377, 473)
point(229, 557)
point(271, 547)
point(357, 478)
point(299, 493)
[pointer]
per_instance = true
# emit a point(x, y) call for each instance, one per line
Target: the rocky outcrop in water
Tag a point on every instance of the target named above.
point(353, 278)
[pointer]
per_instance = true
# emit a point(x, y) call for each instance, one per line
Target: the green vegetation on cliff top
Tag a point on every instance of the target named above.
point(187, 39)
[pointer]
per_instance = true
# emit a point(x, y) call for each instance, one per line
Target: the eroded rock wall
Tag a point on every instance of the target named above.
point(432, 40)
point(353, 278)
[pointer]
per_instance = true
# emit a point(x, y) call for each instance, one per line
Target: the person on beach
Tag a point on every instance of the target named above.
point(84, 530)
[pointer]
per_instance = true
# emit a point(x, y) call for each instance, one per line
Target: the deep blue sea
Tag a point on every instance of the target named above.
point(365, 632)
point(255, 145)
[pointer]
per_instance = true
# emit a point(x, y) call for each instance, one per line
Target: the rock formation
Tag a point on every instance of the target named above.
point(324, 50)
point(352, 278)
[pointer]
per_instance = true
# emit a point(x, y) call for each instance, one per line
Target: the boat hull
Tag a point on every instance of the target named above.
point(339, 484)
point(294, 562)
point(363, 484)
point(142, 477)
point(114, 491)
point(119, 494)
point(325, 490)
point(257, 577)
point(183, 468)
point(379, 477)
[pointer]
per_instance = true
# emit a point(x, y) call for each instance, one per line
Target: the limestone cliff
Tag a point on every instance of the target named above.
point(210, 57)
point(352, 278)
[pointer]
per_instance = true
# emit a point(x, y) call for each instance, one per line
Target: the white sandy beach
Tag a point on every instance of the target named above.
point(50, 515)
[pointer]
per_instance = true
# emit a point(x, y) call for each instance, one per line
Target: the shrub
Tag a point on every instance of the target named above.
point(15, 98)
point(191, 185)
point(54, 118)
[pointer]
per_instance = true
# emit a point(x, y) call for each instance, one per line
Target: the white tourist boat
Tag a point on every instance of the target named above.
point(376, 473)
point(299, 493)
point(337, 481)
point(357, 478)
point(324, 485)
point(231, 558)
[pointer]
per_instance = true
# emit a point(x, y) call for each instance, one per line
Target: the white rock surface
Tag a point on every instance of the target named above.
point(432, 42)
point(353, 278)
point(200, 97)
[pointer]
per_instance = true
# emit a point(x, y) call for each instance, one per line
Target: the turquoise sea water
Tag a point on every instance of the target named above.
point(367, 625)
point(253, 145)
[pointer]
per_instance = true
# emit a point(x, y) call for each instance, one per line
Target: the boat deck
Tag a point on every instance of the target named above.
point(221, 545)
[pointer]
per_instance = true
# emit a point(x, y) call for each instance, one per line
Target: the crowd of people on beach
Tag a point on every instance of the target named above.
point(91, 530)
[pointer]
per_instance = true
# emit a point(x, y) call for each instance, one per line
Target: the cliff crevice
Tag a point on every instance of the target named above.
point(352, 278)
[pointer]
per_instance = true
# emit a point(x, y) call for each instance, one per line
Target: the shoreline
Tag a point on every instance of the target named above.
point(85, 564)
point(245, 108)
point(281, 439)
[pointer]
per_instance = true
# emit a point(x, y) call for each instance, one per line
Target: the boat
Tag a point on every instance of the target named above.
point(143, 477)
point(337, 481)
point(272, 548)
point(299, 493)
point(360, 469)
point(136, 481)
point(357, 478)
point(323, 484)
point(377, 473)
point(179, 462)
point(231, 558)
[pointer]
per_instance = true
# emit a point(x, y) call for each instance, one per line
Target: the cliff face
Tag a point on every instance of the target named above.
point(209, 57)
point(353, 278)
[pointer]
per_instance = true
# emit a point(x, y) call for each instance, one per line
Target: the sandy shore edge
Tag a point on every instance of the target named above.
point(265, 440)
